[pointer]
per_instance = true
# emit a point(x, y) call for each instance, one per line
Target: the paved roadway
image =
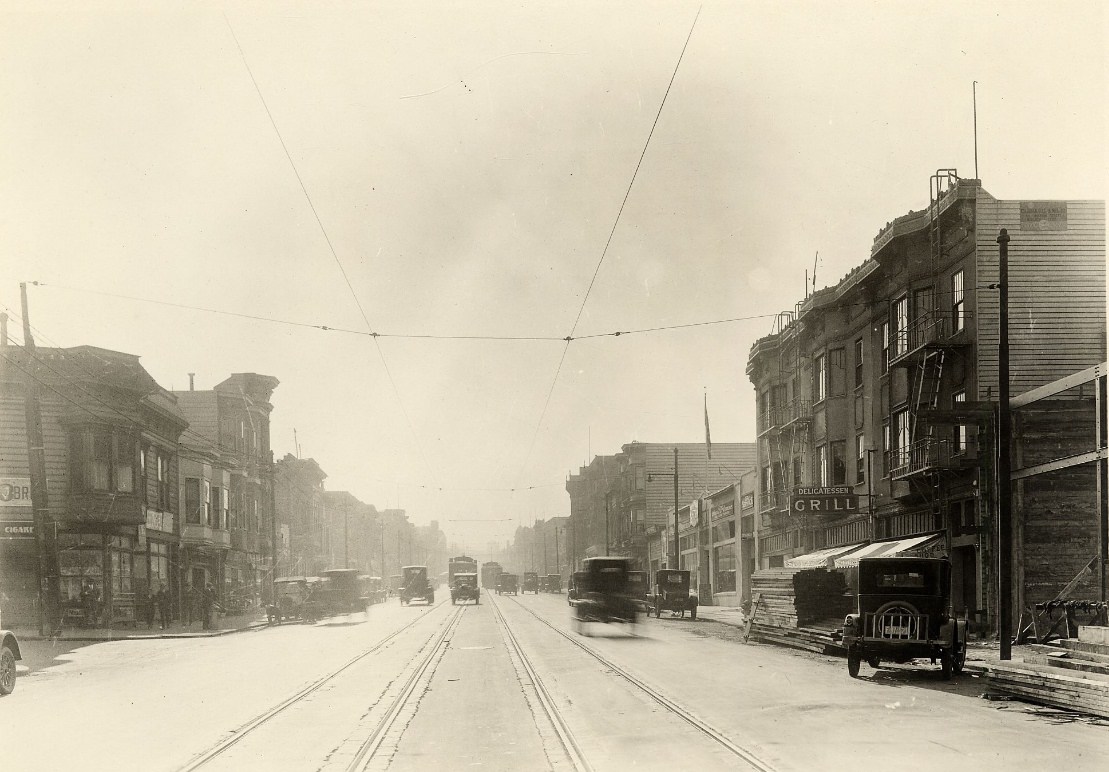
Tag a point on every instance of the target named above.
point(506, 685)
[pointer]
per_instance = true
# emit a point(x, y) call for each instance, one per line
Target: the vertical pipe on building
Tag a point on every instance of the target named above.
point(1004, 484)
point(606, 524)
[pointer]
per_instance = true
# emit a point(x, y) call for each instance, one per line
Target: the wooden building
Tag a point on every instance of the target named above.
point(860, 385)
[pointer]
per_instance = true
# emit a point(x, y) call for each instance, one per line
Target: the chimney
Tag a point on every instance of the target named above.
point(191, 376)
point(3, 329)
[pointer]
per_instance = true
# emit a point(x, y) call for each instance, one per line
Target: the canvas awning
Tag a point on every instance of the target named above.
point(887, 548)
point(820, 558)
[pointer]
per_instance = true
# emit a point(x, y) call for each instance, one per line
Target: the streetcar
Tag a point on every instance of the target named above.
point(416, 586)
point(463, 564)
point(489, 573)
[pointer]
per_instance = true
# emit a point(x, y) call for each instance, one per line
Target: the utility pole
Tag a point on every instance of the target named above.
point(677, 552)
point(606, 524)
point(544, 552)
point(1004, 484)
point(558, 568)
point(346, 536)
point(271, 471)
point(45, 539)
point(384, 576)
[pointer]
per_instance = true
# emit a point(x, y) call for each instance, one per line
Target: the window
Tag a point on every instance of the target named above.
point(766, 479)
point(899, 439)
point(885, 333)
point(822, 466)
point(192, 500)
point(797, 470)
point(958, 310)
point(103, 459)
point(819, 378)
point(859, 363)
point(837, 373)
point(860, 458)
point(959, 441)
point(639, 478)
point(219, 507)
point(900, 326)
point(839, 462)
point(206, 503)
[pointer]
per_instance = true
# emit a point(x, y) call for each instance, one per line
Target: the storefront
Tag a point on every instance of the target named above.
point(97, 576)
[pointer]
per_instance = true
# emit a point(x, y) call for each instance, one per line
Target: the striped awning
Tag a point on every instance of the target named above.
point(887, 548)
point(821, 558)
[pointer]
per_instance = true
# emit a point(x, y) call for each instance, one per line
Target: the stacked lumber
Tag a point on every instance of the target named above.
point(793, 597)
point(812, 639)
point(1049, 685)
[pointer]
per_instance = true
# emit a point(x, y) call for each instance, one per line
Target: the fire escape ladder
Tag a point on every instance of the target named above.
point(926, 391)
point(939, 183)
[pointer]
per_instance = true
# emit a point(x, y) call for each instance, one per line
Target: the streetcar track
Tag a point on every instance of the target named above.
point(369, 747)
point(562, 730)
point(670, 705)
point(247, 728)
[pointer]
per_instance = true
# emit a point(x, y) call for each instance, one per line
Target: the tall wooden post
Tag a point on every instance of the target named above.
point(1004, 484)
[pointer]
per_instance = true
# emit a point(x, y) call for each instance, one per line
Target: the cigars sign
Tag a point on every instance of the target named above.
point(824, 501)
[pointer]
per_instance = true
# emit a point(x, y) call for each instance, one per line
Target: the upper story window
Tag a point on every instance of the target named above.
point(960, 432)
point(860, 458)
point(858, 363)
point(900, 326)
point(196, 508)
point(884, 331)
point(819, 378)
point(154, 473)
point(838, 462)
point(103, 459)
point(958, 303)
point(822, 466)
point(837, 372)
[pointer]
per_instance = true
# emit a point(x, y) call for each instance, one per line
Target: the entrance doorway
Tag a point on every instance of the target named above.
point(964, 581)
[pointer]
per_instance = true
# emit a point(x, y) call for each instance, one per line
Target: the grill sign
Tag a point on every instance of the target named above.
point(824, 501)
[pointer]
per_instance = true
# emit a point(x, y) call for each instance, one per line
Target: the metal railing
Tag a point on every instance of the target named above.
point(921, 456)
point(928, 329)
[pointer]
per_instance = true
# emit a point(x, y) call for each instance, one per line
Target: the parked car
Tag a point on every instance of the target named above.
point(531, 582)
point(396, 581)
point(552, 583)
point(904, 613)
point(9, 655)
point(576, 579)
point(416, 586)
point(605, 594)
point(374, 588)
point(340, 592)
point(465, 588)
point(507, 583)
point(672, 593)
point(292, 599)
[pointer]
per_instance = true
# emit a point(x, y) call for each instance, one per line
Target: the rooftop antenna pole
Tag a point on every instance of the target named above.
point(814, 261)
point(296, 442)
point(806, 283)
point(974, 93)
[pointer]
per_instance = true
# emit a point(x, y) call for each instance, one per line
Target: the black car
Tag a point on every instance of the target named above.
point(507, 583)
point(465, 588)
point(904, 613)
point(416, 586)
point(530, 583)
point(576, 579)
point(9, 655)
point(604, 594)
point(672, 593)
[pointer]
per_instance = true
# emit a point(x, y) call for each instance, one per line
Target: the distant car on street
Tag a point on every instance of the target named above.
point(9, 655)
point(292, 599)
point(465, 588)
point(506, 584)
point(672, 593)
point(904, 613)
point(531, 582)
point(416, 586)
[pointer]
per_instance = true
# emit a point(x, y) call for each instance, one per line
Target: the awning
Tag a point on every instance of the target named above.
point(887, 548)
point(821, 558)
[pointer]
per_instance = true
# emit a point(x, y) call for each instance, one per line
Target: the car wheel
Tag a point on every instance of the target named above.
point(947, 663)
point(854, 661)
point(7, 670)
point(959, 658)
point(874, 662)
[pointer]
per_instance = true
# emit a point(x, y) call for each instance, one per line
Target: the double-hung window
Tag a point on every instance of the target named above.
point(819, 378)
point(958, 303)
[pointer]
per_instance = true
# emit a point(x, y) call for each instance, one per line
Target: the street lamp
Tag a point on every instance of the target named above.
point(650, 477)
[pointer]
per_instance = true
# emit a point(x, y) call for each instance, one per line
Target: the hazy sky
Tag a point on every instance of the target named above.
point(467, 162)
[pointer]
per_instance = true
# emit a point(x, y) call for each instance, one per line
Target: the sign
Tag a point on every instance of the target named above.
point(17, 530)
point(1043, 215)
point(824, 501)
point(694, 513)
point(15, 492)
point(722, 512)
point(748, 500)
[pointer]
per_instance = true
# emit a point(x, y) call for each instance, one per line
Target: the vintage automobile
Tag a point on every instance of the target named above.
point(576, 579)
point(396, 581)
point(9, 655)
point(507, 583)
point(605, 595)
point(552, 583)
point(672, 593)
point(416, 586)
point(339, 591)
point(640, 588)
point(904, 613)
point(531, 582)
point(292, 599)
point(465, 588)
point(374, 588)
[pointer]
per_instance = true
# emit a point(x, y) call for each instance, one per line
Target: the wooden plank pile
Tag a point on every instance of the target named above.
point(813, 639)
point(794, 597)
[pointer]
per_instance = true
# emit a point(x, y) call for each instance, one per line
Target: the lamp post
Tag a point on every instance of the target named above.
point(675, 552)
point(606, 523)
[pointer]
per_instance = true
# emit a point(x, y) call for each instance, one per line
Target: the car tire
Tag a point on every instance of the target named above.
point(854, 661)
point(947, 663)
point(874, 662)
point(7, 670)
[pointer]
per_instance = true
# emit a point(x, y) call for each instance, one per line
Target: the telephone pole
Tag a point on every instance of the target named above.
point(45, 539)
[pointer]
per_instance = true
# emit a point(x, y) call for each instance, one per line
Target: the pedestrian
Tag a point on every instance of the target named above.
point(148, 608)
point(207, 600)
point(161, 604)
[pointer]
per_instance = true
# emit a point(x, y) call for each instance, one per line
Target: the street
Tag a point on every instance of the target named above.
point(506, 685)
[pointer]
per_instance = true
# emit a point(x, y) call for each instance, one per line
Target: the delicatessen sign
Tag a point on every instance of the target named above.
point(824, 501)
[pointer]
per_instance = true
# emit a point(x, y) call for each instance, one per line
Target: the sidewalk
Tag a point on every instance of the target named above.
point(221, 625)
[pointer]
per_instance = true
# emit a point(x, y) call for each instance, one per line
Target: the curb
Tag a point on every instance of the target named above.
point(142, 636)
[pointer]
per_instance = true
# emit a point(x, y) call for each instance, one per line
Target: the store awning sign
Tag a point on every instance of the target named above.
point(15, 492)
point(824, 501)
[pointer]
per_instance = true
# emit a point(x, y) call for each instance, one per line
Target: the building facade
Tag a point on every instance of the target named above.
point(885, 384)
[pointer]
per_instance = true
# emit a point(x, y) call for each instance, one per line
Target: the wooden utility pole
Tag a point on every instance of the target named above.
point(1004, 484)
point(45, 538)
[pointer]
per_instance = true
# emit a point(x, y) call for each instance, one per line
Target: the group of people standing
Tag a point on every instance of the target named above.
point(199, 602)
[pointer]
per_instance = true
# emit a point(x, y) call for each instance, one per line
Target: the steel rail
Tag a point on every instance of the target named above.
point(565, 736)
point(370, 746)
point(206, 757)
point(670, 705)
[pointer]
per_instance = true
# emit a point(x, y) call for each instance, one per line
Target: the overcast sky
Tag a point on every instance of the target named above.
point(467, 163)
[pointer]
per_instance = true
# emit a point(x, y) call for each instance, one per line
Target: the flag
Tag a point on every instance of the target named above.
point(708, 437)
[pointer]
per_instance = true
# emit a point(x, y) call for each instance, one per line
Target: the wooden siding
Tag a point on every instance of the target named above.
point(697, 474)
point(1056, 295)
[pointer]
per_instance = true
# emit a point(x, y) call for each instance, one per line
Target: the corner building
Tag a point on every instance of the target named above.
point(861, 384)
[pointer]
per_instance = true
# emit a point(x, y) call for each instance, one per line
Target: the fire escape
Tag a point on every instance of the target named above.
point(786, 430)
point(923, 345)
